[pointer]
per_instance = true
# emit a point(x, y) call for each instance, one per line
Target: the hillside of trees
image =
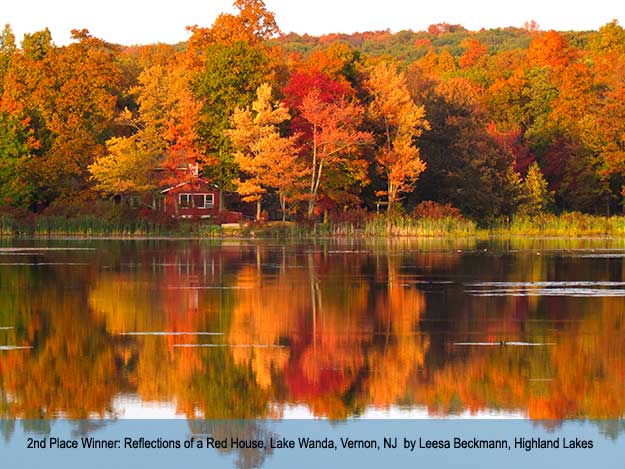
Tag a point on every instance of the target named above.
point(495, 122)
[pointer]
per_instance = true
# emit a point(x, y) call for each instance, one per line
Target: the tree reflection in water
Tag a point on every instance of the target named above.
point(257, 330)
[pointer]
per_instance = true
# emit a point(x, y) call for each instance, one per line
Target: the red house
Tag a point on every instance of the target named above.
point(196, 199)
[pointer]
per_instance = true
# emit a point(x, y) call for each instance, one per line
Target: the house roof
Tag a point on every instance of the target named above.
point(204, 181)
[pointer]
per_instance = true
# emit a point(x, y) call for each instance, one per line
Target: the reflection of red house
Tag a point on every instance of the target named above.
point(196, 198)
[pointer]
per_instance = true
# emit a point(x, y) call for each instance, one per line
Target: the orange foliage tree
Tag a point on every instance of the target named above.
point(401, 121)
point(334, 136)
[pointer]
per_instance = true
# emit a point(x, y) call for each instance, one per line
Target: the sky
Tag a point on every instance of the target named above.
point(143, 22)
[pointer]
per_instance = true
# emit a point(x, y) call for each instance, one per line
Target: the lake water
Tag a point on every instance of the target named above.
point(514, 328)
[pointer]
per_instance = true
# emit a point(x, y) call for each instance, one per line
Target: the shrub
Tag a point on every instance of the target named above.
point(356, 216)
point(435, 211)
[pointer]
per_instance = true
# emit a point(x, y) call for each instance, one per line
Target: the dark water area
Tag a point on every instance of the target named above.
point(527, 328)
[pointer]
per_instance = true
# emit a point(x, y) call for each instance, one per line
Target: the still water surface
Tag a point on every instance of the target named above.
point(197, 329)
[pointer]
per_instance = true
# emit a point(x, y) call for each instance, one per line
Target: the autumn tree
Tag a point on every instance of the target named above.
point(401, 121)
point(474, 51)
point(22, 112)
point(550, 49)
point(285, 173)
point(162, 136)
point(227, 63)
point(338, 62)
point(253, 24)
point(268, 160)
point(70, 95)
point(437, 64)
point(536, 196)
point(126, 169)
point(336, 71)
point(7, 50)
point(334, 137)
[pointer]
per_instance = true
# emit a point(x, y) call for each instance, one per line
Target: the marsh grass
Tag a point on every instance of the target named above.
point(571, 224)
point(379, 226)
point(405, 226)
point(9, 226)
point(93, 226)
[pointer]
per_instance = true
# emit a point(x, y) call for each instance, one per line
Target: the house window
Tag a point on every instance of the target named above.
point(185, 200)
point(203, 200)
point(196, 200)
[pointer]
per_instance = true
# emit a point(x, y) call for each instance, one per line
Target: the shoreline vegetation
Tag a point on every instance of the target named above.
point(571, 225)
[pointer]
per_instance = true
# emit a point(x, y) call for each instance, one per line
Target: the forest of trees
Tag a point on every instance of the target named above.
point(496, 122)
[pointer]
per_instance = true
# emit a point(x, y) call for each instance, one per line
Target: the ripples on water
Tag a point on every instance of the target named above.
point(572, 289)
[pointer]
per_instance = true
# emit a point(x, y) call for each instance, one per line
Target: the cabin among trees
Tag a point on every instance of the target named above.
point(196, 199)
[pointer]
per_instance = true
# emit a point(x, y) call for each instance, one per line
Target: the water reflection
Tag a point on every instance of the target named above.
point(241, 330)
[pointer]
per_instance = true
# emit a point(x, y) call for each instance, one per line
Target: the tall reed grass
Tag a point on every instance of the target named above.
point(378, 226)
point(93, 226)
point(9, 226)
point(572, 224)
point(419, 227)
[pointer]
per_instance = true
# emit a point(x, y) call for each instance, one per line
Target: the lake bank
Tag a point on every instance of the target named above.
point(376, 226)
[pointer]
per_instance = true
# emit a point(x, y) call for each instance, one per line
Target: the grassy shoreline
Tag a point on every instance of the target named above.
point(571, 225)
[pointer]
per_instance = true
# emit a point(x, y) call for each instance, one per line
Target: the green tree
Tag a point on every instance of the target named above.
point(229, 80)
point(16, 146)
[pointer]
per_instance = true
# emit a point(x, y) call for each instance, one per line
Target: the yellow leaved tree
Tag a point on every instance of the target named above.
point(268, 160)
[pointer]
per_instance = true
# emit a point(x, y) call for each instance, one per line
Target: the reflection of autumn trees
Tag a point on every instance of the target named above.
point(350, 343)
point(266, 310)
point(181, 291)
point(296, 328)
point(336, 330)
point(580, 376)
point(395, 362)
point(589, 368)
point(71, 370)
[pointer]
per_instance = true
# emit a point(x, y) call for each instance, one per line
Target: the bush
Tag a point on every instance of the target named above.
point(436, 211)
point(357, 217)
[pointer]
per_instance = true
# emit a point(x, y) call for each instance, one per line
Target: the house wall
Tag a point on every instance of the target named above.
point(173, 207)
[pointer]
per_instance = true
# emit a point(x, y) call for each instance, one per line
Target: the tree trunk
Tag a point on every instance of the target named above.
point(258, 210)
point(314, 191)
point(390, 197)
point(311, 206)
point(283, 207)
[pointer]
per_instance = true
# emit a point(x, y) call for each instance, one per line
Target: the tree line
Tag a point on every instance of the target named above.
point(494, 123)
